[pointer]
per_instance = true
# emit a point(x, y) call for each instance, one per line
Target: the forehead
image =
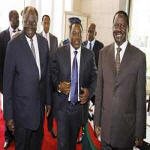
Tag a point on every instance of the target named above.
point(14, 14)
point(92, 27)
point(30, 15)
point(76, 27)
point(120, 18)
point(46, 19)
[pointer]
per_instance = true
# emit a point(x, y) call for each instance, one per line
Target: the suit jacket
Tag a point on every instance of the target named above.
point(24, 93)
point(61, 71)
point(53, 42)
point(120, 100)
point(4, 39)
point(96, 49)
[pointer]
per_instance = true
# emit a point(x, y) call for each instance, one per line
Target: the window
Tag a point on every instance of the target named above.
point(140, 36)
point(54, 8)
point(140, 27)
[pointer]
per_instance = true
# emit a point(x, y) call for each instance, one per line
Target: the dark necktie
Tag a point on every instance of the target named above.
point(14, 31)
point(118, 60)
point(74, 80)
point(90, 46)
point(33, 49)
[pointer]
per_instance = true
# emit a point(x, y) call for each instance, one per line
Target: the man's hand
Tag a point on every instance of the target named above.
point(97, 130)
point(64, 87)
point(48, 110)
point(138, 142)
point(84, 96)
point(11, 126)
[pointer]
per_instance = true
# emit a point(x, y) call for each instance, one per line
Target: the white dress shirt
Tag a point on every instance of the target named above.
point(78, 61)
point(11, 31)
point(35, 43)
point(92, 44)
point(46, 35)
point(123, 48)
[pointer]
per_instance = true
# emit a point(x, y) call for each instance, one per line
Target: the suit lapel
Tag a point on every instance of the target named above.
point(94, 47)
point(126, 57)
point(68, 61)
point(8, 34)
point(40, 47)
point(51, 41)
point(27, 48)
point(112, 59)
point(82, 58)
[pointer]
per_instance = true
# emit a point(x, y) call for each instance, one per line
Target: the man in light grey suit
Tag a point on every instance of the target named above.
point(120, 113)
point(53, 45)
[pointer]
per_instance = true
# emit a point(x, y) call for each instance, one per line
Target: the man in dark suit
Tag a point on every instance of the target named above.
point(71, 20)
point(120, 111)
point(74, 76)
point(26, 92)
point(5, 37)
point(92, 43)
point(53, 45)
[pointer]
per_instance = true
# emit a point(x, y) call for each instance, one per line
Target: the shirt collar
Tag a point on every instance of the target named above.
point(92, 42)
point(29, 40)
point(123, 46)
point(44, 34)
point(72, 49)
point(11, 29)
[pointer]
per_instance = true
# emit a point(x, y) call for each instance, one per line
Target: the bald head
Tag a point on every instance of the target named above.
point(92, 32)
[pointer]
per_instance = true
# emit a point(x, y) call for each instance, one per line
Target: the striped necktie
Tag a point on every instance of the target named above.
point(118, 60)
point(32, 48)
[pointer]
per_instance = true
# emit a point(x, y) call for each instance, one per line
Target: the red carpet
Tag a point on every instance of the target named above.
point(48, 142)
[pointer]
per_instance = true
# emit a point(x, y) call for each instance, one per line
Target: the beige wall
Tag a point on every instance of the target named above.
point(100, 12)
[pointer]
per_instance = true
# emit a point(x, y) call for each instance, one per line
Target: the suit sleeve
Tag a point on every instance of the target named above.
point(56, 44)
point(2, 57)
point(140, 131)
point(93, 77)
point(9, 75)
point(48, 79)
point(99, 93)
point(54, 69)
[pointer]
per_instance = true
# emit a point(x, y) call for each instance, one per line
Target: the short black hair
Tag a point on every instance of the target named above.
point(70, 27)
point(46, 16)
point(74, 19)
point(11, 13)
point(122, 13)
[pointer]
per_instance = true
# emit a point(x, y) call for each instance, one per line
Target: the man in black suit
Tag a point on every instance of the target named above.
point(5, 37)
point(71, 20)
point(26, 92)
point(53, 45)
point(74, 76)
point(92, 43)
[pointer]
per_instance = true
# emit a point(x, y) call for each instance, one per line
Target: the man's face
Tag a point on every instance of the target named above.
point(91, 33)
point(120, 29)
point(46, 24)
point(30, 23)
point(75, 36)
point(14, 20)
